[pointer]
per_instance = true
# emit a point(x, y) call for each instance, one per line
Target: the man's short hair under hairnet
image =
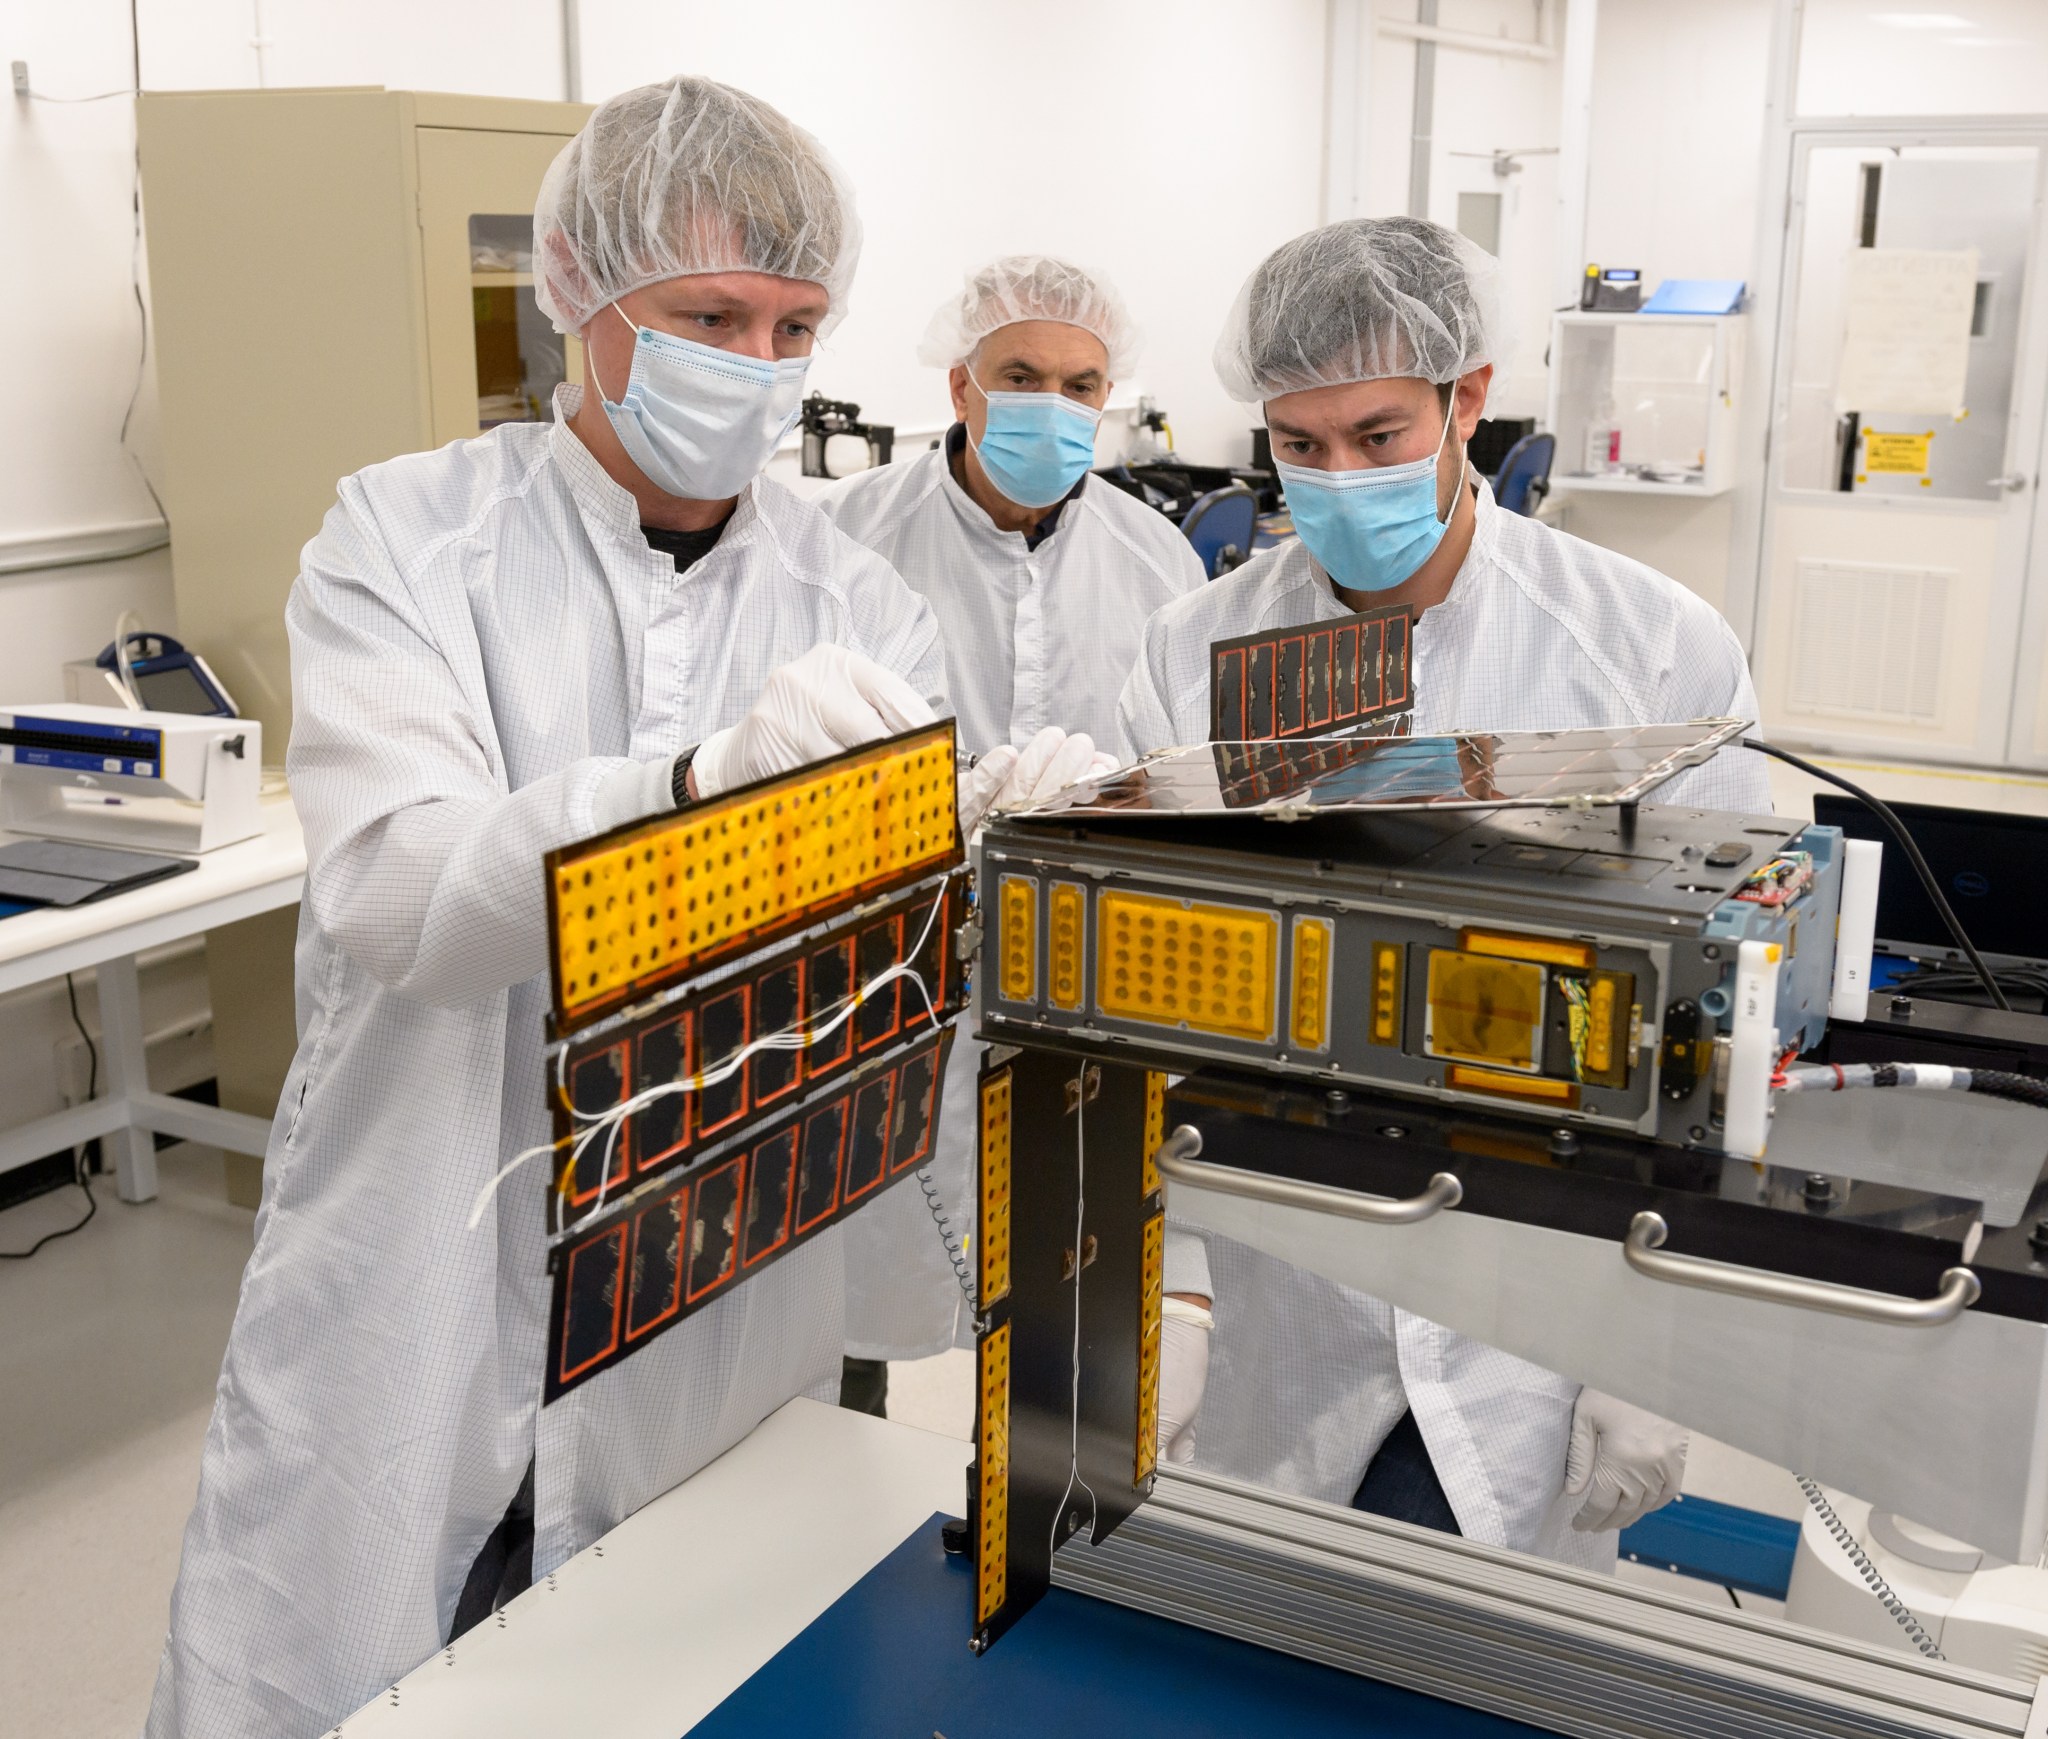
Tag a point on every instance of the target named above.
point(1366, 299)
point(682, 177)
point(1030, 287)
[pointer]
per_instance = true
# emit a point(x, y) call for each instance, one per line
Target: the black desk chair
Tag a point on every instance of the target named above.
point(1524, 476)
point(1220, 525)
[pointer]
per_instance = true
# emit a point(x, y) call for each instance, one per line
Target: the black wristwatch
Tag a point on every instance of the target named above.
point(679, 777)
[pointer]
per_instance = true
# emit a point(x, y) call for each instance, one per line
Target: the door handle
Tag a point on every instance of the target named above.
point(1176, 1159)
point(2010, 481)
point(1643, 1248)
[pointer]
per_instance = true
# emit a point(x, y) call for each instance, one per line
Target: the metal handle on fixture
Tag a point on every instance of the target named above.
point(2010, 481)
point(1176, 1159)
point(1643, 1248)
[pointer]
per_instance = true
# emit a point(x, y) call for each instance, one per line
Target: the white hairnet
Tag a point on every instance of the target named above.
point(1030, 287)
point(1365, 299)
point(681, 177)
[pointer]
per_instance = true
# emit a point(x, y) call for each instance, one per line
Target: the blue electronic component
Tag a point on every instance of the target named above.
point(1797, 910)
point(79, 746)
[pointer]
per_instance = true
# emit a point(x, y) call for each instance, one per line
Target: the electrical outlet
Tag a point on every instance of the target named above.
point(21, 78)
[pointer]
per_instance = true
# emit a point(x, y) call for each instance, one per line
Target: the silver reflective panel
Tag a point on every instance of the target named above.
point(1474, 770)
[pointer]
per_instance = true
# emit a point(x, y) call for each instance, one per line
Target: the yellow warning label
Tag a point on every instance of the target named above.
point(1898, 455)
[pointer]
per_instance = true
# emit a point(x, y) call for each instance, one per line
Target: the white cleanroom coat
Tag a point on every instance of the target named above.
point(1033, 637)
point(1306, 1378)
point(479, 635)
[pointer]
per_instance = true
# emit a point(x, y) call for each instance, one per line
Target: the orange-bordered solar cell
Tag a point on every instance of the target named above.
point(1293, 682)
point(630, 1272)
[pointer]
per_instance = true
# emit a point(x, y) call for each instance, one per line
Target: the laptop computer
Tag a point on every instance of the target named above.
point(1992, 867)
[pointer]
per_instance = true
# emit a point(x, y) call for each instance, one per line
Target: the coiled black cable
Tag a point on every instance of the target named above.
point(936, 1207)
point(1867, 1570)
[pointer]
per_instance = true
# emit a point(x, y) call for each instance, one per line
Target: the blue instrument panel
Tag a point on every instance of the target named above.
point(79, 746)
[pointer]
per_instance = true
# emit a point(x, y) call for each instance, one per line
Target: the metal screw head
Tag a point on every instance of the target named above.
point(1710, 952)
point(1338, 1101)
point(1393, 1131)
point(1564, 1144)
point(1696, 1133)
point(1818, 1189)
point(1902, 1008)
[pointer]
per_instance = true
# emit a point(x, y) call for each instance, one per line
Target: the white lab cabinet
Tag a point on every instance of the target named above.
point(1665, 383)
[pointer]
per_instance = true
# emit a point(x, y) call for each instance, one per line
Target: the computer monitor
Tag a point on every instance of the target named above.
point(1992, 867)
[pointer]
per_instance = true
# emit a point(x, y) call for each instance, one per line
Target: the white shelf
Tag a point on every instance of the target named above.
point(1667, 380)
point(1634, 486)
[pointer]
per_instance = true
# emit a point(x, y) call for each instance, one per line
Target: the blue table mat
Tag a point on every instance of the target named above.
point(890, 1657)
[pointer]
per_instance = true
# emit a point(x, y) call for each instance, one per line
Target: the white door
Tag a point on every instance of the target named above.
point(1906, 428)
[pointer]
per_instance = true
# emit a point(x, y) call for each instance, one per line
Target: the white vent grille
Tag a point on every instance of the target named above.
point(1868, 641)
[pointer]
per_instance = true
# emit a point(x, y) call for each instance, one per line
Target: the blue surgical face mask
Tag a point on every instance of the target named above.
point(1370, 529)
point(701, 422)
point(1035, 446)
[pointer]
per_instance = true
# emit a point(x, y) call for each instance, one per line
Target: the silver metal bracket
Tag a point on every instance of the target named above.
point(1177, 1160)
point(1643, 1249)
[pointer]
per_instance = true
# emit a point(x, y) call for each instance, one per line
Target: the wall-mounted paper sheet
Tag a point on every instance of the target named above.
point(1906, 330)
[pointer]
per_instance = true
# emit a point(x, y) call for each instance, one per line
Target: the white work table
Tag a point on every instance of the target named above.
point(232, 882)
point(646, 1632)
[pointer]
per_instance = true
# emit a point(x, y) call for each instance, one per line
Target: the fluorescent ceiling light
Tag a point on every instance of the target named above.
point(1923, 20)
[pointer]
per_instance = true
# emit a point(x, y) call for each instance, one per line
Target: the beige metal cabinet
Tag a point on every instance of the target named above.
point(336, 277)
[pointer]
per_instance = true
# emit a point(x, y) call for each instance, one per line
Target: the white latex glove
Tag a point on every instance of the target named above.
point(1183, 1375)
point(1050, 762)
point(1624, 1461)
point(980, 784)
point(828, 700)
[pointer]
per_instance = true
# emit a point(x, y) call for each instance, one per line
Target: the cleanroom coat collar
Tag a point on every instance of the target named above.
point(607, 507)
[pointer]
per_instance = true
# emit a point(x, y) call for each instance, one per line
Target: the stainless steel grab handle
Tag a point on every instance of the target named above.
point(1643, 1247)
point(1177, 1160)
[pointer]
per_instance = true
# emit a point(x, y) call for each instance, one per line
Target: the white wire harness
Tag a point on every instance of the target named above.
point(605, 1125)
point(1074, 1416)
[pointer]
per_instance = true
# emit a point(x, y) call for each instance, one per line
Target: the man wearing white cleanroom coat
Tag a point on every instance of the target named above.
point(499, 648)
point(1042, 577)
point(1369, 344)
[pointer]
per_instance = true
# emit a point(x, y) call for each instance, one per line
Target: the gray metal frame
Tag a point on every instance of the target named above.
point(1565, 1650)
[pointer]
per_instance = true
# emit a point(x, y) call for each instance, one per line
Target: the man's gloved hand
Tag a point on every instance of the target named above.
point(1183, 1374)
point(1624, 1461)
point(1007, 778)
point(1050, 762)
point(828, 700)
point(981, 784)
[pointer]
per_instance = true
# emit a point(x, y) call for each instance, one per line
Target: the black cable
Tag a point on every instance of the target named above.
point(2001, 1085)
point(92, 1051)
point(1897, 829)
point(81, 1174)
point(1945, 980)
